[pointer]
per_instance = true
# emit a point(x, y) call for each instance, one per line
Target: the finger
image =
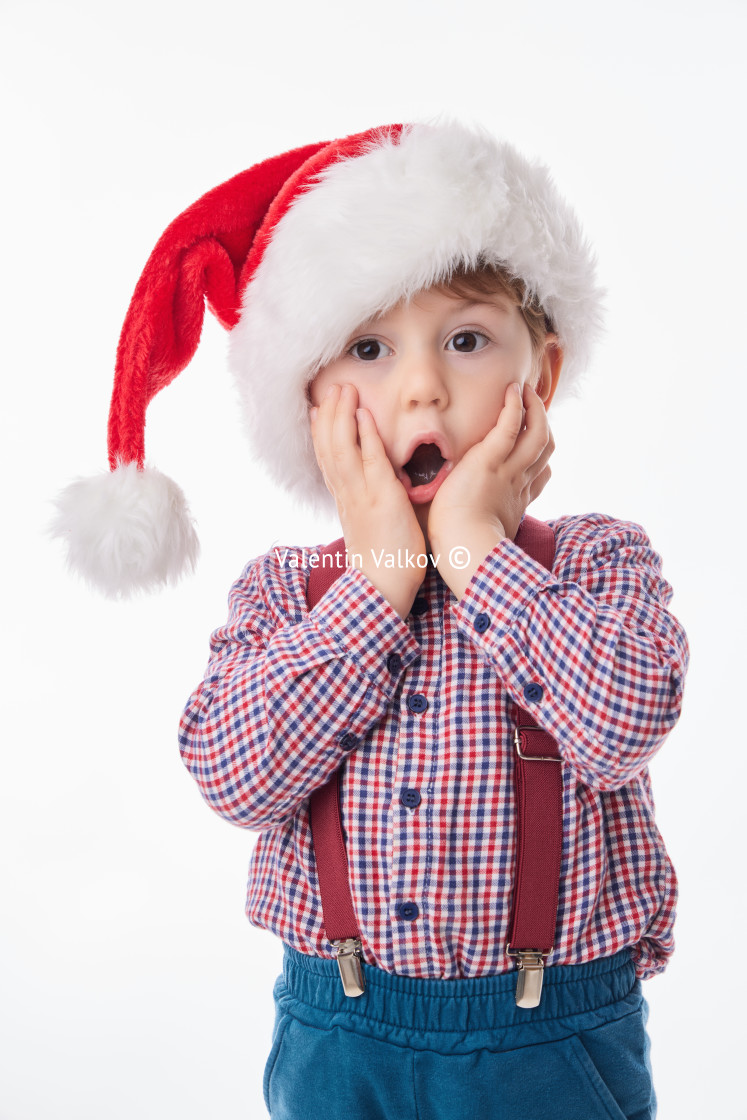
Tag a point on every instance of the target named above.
point(319, 417)
point(501, 439)
point(538, 464)
point(344, 445)
point(535, 436)
point(321, 433)
point(376, 465)
point(539, 483)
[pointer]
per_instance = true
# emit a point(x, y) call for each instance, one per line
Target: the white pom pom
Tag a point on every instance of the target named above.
point(127, 530)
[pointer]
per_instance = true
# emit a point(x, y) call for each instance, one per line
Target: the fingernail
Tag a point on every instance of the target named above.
point(330, 391)
point(359, 413)
point(313, 412)
point(518, 389)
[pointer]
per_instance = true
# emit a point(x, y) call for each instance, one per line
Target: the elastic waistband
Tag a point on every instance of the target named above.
point(477, 1012)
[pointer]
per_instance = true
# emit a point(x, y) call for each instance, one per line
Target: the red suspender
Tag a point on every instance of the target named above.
point(340, 922)
point(539, 831)
point(538, 785)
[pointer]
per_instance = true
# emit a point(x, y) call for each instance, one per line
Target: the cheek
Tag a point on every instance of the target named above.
point(336, 373)
point(318, 387)
point(485, 408)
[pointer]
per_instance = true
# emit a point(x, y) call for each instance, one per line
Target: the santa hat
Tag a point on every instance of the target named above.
point(291, 256)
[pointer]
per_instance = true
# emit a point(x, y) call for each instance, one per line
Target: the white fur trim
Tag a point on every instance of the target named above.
point(376, 229)
point(126, 530)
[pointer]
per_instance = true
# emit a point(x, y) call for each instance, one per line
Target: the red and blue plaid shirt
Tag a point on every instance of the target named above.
point(418, 710)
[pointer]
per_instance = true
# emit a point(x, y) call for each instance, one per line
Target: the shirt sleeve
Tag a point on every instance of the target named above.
point(288, 692)
point(589, 649)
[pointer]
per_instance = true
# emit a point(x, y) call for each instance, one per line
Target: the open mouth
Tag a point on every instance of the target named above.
point(424, 464)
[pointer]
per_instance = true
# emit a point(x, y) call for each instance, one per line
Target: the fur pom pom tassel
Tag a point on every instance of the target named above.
point(126, 530)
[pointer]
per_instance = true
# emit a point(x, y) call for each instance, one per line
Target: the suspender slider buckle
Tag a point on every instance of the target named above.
point(532, 757)
point(349, 964)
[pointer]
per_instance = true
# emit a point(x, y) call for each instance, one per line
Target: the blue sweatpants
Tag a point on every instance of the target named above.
point(459, 1049)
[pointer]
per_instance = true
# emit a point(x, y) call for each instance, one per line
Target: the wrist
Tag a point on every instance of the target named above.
point(462, 555)
point(469, 534)
point(399, 593)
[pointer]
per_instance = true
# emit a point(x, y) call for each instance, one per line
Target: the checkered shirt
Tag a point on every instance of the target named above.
point(427, 796)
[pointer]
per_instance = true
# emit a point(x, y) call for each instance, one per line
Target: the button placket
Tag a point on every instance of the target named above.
point(410, 821)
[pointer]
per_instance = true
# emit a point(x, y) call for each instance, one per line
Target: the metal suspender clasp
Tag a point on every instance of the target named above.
point(531, 966)
point(349, 963)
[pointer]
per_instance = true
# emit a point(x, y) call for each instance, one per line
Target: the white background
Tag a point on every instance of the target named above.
point(132, 984)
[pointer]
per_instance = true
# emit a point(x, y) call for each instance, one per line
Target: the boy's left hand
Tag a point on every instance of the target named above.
point(484, 498)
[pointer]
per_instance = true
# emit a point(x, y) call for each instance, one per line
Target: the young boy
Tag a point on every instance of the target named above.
point(405, 305)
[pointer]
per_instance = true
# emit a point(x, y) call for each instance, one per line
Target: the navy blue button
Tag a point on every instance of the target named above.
point(420, 606)
point(349, 741)
point(408, 911)
point(417, 702)
point(482, 621)
point(411, 798)
point(533, 692)
point(394, 662)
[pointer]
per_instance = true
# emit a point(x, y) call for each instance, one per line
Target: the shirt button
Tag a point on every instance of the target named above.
point(417, 702)
point(349, 741)
point(482, 621)
point(410, 798)
point(408, 911)
point(420, 606)
point(533, 692)
point(394, 662)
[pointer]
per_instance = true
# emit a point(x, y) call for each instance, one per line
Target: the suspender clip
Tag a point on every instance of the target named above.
point(531, 966)
point(349, 964)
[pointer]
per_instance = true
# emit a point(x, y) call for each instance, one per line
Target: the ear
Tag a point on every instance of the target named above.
point(551, 364)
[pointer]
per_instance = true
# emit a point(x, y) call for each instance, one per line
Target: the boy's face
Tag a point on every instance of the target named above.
point(436, 370)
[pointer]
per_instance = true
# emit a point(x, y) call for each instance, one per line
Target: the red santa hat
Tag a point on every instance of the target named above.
point(291, 256)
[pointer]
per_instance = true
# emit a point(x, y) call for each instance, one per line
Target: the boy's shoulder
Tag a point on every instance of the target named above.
point(279, 576)
point(591, 540)
point(594, 528)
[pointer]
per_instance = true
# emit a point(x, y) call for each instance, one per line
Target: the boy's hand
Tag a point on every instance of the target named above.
point(484, 498)
point(375, 513)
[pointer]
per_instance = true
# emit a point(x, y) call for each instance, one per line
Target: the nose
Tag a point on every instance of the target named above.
point(422, 380)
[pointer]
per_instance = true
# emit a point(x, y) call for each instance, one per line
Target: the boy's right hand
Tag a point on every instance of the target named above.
point(375, 512)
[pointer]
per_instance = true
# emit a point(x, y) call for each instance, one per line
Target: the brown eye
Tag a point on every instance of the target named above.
point(467, 342)
point(369, 349)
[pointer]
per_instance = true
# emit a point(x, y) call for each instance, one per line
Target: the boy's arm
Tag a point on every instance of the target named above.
point(595, 635)
point(289, 693)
